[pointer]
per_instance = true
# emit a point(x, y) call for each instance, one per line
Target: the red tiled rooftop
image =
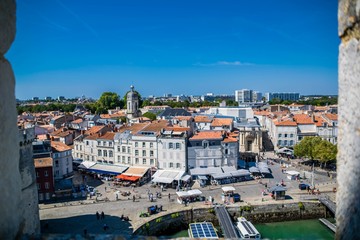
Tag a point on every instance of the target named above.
point(207, 135)
point(59, 146)
point(202, 119)
point(218, 122)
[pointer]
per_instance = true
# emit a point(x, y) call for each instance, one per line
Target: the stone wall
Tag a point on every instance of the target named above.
point(10, 181)
point(29, 192)
point(348, 164)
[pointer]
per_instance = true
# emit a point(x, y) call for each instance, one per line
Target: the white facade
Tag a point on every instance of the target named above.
point(286, 136)
point(62, 163)
point(172, 151)
point(144, 150)
point(244, 96)
point(237, 112)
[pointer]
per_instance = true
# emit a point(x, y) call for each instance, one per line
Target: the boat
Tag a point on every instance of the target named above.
point(247, 229)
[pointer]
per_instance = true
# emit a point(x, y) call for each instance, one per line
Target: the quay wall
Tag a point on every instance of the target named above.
point(165, 224)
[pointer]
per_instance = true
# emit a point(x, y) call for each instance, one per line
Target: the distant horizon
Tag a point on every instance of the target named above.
point(180, 47)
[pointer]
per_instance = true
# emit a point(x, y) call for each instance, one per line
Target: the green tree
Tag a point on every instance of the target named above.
point(150, 115)
point(109, 100)
point(146, 103)
point(306, 147)
point(325, 151)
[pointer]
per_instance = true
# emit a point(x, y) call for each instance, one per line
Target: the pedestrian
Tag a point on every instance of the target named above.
point(105, 188)
point(169, 197)
point(133, 198)
point(105, 227)
point(85, 231)
point(162, 188)
point(102, 215)
point(97, 215)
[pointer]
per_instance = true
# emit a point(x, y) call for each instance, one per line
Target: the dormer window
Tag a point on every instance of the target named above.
point(205, 144)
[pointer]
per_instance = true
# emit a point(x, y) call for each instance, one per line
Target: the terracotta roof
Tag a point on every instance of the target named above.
point(43, 162)
point(177, 129)
point(319, 121)
point(303, 119)
point(230, 138)
point(262, 113)
point(184, 118)
point(94, 129)
point(332, 117)
point(77, 121)
point(107, 136)
point(219, 122)
point(207, 135)
point(61, 133)
point(134, 128)
point(200, 118)
point(156, 126)
point(59, 146)
point(285, 123)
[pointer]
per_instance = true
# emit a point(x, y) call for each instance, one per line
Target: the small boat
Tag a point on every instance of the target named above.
point(247, 229)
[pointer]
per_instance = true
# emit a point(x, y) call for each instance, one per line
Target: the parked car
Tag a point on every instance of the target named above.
point(304, 186)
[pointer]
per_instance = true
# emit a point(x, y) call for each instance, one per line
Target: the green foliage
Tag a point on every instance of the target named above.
point(325, 151)
point(306, 147)
point(246, 208)
point(275, 101)
point(231, 103)
point(150, 115)
point(108, 100)
point(174, 215)
point(316, 148)
point(46, 107)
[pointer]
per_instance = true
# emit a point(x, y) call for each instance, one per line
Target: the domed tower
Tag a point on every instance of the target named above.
point(132, 104)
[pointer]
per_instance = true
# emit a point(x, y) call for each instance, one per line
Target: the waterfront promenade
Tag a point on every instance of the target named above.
point(75, 216)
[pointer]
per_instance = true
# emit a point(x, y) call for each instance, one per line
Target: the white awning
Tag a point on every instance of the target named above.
point(292, 173)
point(167, 176)
point(221, 175)
point(162, 180)
point(183, 194)
point(240, 173)
point(194, 192)
point(108, 168)
point(228, 169)
point(254, 170)
point(87, 164)
point(228, 189)
point(205, 171)
point(185, 177)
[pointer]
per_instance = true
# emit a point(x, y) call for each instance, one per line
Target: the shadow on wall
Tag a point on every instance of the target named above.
point(90, 223)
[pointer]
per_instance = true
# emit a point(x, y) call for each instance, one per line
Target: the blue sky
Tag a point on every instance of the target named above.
point(73, 48)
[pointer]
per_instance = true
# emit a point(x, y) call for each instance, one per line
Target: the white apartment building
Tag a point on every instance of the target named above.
point(123, 147)
point(244, 96)
point(62, 160)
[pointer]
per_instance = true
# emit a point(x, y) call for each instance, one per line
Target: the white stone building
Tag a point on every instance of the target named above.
point(62, 157)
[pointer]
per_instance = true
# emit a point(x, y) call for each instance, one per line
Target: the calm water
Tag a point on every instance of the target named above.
point(304, 229)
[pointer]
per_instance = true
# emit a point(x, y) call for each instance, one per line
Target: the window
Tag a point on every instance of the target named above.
point(110, 144)
point(128, 160)
point(67, 160)
point(152, 161)
point(151, 153)
point(128, 149)
point(80, 148)
point(103, 143)
point(57, 173)
point(285, 142)
point(47, 185)
point(143, 144)
point(279, 142)
point(39, 186)
point(123, 149)
point(118, 148)
point(57, 163)
point(144, 152)
point(122, 158)
point(144, 161)
point(205, 144)
point(151, 145)
point(170, 145)
point(37, 174)
point(171, 165)
point(291, 135)
point(99, 153)
point(178, 165)
point(87, 143)
point(92, 158)
point(136, 152)
point(77, 147)
point(99, 143)
point(177, 145)
point(91, 150)
point(226, 151)
point(136, 161)
point(136, 144)
point(285, 135)
point(291, 142)
point(110, 153)
point(105, 153)
point(279, 135)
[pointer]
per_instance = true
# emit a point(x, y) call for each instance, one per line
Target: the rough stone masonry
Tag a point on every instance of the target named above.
point(348, 195)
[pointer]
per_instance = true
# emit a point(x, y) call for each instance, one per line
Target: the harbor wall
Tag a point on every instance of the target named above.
point(176, 221)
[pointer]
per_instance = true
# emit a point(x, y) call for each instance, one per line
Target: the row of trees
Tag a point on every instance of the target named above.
point(322, 101)
point(316, 148)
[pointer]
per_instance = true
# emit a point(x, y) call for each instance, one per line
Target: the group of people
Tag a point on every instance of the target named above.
point(100, 216)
